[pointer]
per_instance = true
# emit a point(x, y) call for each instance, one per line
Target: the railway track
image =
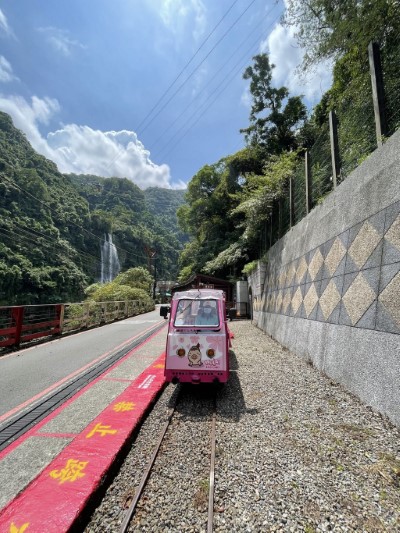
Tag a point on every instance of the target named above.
point(165, 434)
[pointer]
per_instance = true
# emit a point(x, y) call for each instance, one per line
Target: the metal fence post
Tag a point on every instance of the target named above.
point(87, 314)
point(291, 201)
point(271, 218)
point(334, 147)
point(378, 91)
point(280, 217)
point(308, 179)
point(18, 316)
point(60, 317)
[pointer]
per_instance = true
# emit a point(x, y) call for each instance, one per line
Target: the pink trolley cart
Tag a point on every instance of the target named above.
point(198, 337)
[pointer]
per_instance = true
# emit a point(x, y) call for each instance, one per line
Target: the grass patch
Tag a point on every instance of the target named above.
point(201, 495)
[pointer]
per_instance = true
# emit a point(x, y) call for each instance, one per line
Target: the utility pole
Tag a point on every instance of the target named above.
point(378, 91)
point(333, 132)
point(151, 254)
point(155, 278)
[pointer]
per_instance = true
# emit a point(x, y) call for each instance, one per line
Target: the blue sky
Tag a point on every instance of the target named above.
point(150, 90)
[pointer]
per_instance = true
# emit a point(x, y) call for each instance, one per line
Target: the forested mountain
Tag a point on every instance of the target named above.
point(52, 225)
point(140, 221)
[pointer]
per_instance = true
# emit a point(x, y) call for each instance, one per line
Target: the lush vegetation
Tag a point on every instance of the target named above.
point(53, 225)
point(133, 284)
point(229, 203)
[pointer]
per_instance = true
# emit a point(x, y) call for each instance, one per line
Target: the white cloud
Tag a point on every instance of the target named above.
point(83, 150)
point(246, 98)
point(200, 18)
point(179, 14)
point(287, 57)
point(4, 26)
point(198, 79)
point(6, 72)
point(26, 117)
point(60, 40)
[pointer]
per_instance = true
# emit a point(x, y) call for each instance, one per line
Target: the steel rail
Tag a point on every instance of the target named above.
point(129, 513)
point(126, 521)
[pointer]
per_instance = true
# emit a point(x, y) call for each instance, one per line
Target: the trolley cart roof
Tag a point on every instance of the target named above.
point(199, 294)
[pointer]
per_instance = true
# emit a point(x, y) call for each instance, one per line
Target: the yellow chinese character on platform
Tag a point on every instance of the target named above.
point(159, 365)
point(103, 430)
point(124, 406)
point(16, 529)
point(72, 471)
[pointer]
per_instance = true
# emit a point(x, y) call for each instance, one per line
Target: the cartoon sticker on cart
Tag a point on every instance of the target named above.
point(194, 355)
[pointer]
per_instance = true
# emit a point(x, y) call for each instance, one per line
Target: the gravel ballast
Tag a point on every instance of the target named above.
point(295, 453)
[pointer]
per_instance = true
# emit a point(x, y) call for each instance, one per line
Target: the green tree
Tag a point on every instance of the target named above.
point(115, 292)
point(340, 30)
point(207, 216)
point(261, 191)
point(137, 277)
point(134, 284)
point(274, 116)
point(257, 198)
point(332, 28)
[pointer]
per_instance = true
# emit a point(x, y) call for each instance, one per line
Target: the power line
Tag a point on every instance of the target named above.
point(204, 108)
point(199, 65)
point(120, 152)
point(185, 67)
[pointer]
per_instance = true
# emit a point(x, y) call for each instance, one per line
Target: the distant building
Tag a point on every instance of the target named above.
point(163, 290)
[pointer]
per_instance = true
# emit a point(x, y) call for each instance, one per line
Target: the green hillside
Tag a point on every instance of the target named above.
point(53, 225)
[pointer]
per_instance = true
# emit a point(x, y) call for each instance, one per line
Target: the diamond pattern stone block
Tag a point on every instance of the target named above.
point(290, 274)
point(278, 302)
point(310, 300)
point(329, 299)
point(286, 301)
point(301, 270)
point(335, 255)
point(390, 298)
point(297, 300)
point(364, 244)
point(358, 298)
point(315, 264)
point(272, 298)
point(393, 235)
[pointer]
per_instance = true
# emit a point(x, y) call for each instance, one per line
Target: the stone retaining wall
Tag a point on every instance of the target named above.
point(331, 288)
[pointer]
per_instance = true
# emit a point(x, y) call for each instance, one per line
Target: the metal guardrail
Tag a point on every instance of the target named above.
point(19, 324)
point(22, 324)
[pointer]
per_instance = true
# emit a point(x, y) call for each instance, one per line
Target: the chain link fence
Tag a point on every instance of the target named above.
point(321, 167)
point(356, 123)
point(356, 139)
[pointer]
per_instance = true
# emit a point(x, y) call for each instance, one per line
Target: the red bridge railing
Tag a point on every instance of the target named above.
point(22, 324)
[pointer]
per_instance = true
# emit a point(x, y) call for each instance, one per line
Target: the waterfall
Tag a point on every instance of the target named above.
point(110, 266)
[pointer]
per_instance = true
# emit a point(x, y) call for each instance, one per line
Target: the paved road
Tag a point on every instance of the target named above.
point(80, 438)
point(29, 374)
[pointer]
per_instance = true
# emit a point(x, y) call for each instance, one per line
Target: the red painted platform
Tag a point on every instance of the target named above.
point(54, 501)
